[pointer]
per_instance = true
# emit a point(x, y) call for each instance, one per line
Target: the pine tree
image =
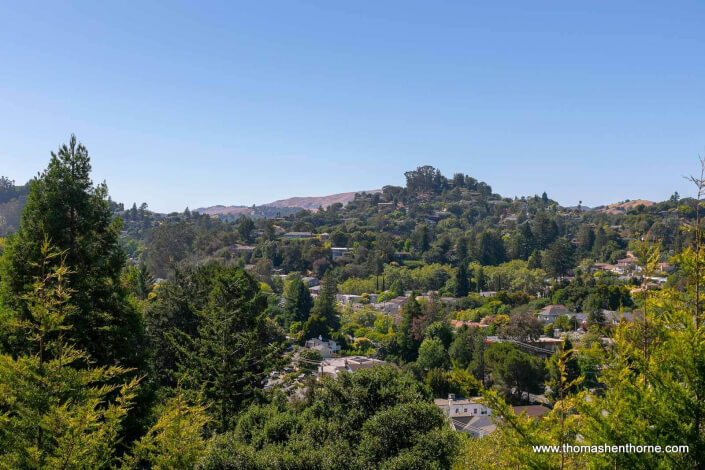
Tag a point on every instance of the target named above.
point(325, 310)
point(235, 345)
point(56, 409)
point(176, 440)
point(298, 301)
point(64, 205)
point(407, 344)
point(462, 283)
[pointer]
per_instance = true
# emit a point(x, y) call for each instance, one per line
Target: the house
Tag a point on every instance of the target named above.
point(333, 366)
point(297, 235)
point(488, 293)
point(476, 426)
point(551, 344)
point(393, 306)
point(310, 281)
point(461, 407)
point(339, 252)
point(549, 313)
point(241, 249)
point(327, 348)
point(469, 324)
point(467, 415)
point(315, 291)
point(344, 299)
point(402, 255)
point(474, 418)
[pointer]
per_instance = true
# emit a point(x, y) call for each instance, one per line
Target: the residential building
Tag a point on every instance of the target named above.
point(310, 281)
point(549, 313)
point(339, 252)
point(333, 366)
point(297, 235)
point(474, 418)
point(326, 347)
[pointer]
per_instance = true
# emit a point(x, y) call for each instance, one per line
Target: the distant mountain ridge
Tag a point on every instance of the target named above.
point(303, 202)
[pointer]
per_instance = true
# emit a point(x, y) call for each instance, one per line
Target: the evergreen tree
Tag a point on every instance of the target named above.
point(176, 440)
point(298, 301)
point(565, 358)
point(462, 283)
point(558, 258)
point(65, 206)
point(55, 411)
point(235, 345)
point(407, 344)
point(325, 310)
point(535, 260)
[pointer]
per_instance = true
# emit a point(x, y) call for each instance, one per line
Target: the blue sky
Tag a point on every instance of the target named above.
point(202, 103)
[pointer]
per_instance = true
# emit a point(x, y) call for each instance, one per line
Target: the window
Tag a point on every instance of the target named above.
point(483, 412)
point(475, 410)
point(465, 410)
point(457, 410)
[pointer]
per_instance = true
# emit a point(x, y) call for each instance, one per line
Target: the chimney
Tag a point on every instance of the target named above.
point(451, 397)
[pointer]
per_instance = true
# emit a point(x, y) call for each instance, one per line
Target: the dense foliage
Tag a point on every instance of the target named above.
point(131, 339)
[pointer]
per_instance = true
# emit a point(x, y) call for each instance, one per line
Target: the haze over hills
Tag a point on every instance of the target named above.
point(309, 203)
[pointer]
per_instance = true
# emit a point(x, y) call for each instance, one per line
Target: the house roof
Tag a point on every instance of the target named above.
point(532, 411)
point(554, 310)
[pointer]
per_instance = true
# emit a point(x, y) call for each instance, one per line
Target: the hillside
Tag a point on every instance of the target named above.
point(309, 203)
point(623, 207)
point(226, 210)
point(315, 202)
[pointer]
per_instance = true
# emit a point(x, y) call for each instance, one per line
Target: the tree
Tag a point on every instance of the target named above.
point(421, 238)
point(245, 228)
point(234, 347)
point(65, 206)
point(432, 355)
point(325, 316)
point(171, 244)
point(523, 244)
point(462, 283)
point(298, 301)
point(441, 331)
point(535, 261)
point(523, 327)
point(374, 418)
point(558, 258)
point(561, 367)
point(407, 344)
point(176, 440)
point(57, 411)
point(461, 349)
point(516, 372)
point(489, 248)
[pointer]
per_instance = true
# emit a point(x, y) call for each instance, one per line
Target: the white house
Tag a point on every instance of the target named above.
point(461, 407)
point(474, 418)
point(339, 252)
point(325, 347)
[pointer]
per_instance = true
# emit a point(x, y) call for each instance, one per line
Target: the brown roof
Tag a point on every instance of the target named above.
point(532, 411)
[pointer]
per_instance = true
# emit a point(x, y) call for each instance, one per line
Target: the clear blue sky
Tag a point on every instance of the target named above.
point(200, 103)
